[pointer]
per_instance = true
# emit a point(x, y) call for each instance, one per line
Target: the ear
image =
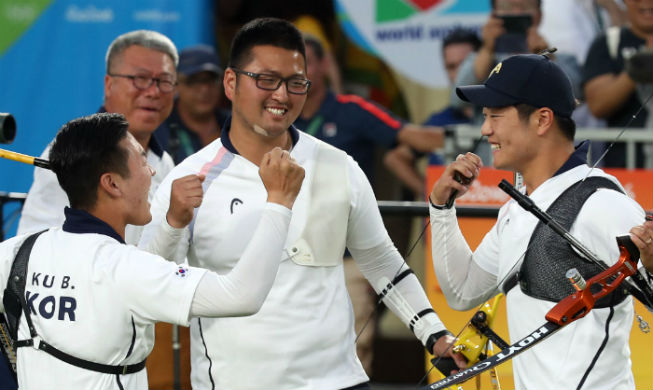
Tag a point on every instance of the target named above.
point(543, 119)
point(110, 185)
point(229, 83)
point(108, 81)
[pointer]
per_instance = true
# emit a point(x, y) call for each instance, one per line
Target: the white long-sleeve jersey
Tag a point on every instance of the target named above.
point(97, 299)
point(468, 278)
point(303, 336)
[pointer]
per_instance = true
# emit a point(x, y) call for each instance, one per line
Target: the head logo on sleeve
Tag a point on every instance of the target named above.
point(181, 271)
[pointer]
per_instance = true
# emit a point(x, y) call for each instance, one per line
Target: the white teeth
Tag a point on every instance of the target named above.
point(495, 146)
point(276, 111)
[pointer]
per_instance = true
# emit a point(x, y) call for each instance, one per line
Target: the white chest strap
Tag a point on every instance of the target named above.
point(322, 242)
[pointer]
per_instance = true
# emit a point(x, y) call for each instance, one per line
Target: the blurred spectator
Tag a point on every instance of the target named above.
point(512, 28)
point(571, 26)
point(196, 118)
point(456, 46)
point(610, 90)
point(352, 123)
point(139, 84)
point(310, 25)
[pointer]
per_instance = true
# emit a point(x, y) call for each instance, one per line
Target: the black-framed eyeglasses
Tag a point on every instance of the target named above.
point(269, 82)
point(144, 82)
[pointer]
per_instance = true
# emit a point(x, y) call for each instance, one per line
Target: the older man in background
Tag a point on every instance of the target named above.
point(140, 84)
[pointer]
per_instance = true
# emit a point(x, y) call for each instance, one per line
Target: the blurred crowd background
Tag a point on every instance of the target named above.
point(395, 60)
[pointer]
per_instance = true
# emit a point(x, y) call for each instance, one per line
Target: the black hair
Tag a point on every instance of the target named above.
point(566, 125)
point(84, 149)
point(461, 35)
point(264, 31)
point(315, 44)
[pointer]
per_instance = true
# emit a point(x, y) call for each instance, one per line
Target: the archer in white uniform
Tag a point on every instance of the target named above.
point(46, 200)
point(527, 104)
point(95, 298)
point(133, 60)
point(303, 337)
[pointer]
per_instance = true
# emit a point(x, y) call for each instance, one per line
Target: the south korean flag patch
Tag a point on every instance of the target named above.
point(181, 271)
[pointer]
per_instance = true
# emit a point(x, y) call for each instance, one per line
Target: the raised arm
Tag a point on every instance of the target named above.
point(464, 283)
point(243, 290)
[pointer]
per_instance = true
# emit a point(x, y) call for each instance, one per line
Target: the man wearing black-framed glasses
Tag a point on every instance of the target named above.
point(139, 84)
point(296, 85)
point(303, 338)
point(165, 84)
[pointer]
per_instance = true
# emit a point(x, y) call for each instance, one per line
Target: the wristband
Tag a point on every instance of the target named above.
point(438, 207)
point(430, 342)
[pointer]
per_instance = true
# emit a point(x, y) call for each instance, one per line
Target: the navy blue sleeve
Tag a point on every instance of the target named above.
point(376, 123)
point(598, 61)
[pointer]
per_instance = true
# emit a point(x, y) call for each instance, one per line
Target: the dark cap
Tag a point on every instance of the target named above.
point(528, 78)
point(200, 58)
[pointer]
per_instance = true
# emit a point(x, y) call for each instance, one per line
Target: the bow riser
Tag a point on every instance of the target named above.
point(578, 304)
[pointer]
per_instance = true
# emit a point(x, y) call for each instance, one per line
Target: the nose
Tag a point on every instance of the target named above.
point(153, 89)
point(486, 129)
point(152, 171)
point(281, 93)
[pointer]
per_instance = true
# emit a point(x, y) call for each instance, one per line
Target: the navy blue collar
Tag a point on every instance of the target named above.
point(578, 157)
point(153, 145)
point(226, 141)
point(80, 221)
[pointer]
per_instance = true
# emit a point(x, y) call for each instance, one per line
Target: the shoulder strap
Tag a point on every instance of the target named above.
point(542, 271)
point(14, 301)
point(536, 275)
point(14, 296)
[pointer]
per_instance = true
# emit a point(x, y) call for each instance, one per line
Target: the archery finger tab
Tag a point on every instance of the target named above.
point(445, 365)
point(627, 243)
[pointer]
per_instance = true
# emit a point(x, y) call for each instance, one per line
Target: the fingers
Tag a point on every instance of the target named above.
point(643, 233)
point(457, 177)
point(460, 360)
point(642, 237)
point(444, 347)
point(468, 165)
point(491, 30)
point(186, 194)
point(281, 176)
point(188, 190)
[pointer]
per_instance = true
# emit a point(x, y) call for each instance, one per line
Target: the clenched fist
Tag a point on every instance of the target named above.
point(185, 195)
point(466, 167)
point(282, 177)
